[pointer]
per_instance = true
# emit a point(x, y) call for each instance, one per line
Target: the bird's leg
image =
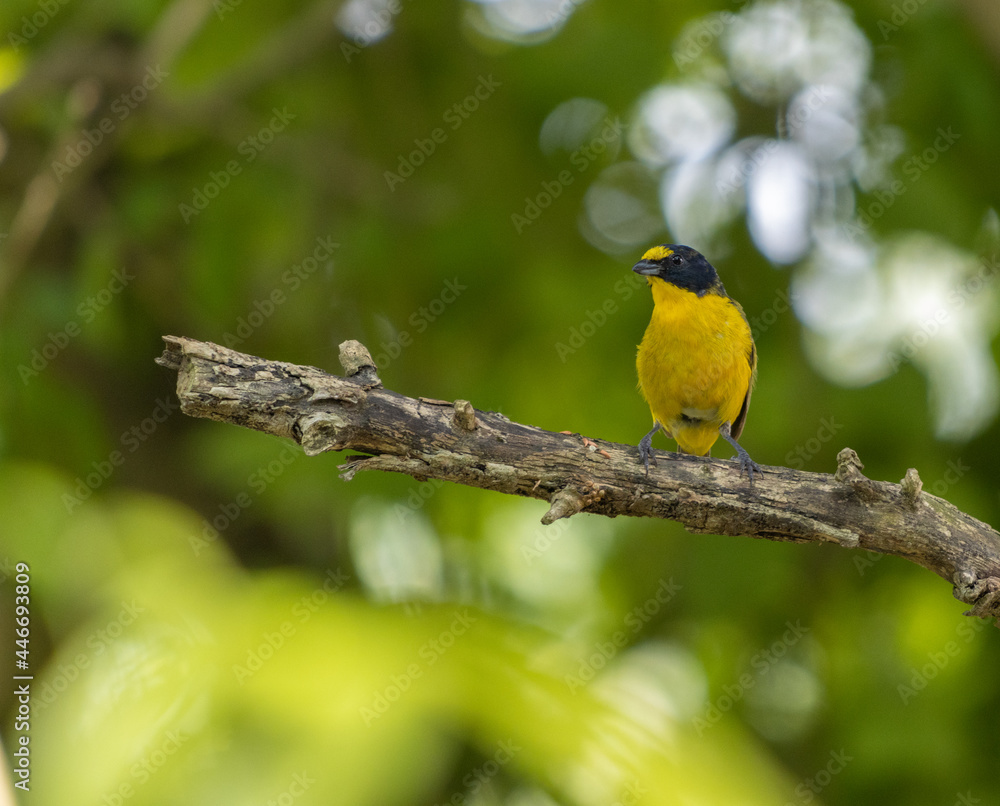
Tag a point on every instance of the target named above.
point(747, 464)
point(646, 447)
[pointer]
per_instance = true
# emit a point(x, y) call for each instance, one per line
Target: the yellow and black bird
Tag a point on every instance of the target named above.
point(697, 362)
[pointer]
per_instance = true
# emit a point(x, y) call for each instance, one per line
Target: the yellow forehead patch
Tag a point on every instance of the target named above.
point(658, 253)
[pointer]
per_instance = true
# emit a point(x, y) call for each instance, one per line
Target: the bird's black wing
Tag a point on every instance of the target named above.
point(741, 418)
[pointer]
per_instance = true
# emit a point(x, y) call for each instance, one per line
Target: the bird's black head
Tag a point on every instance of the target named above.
point(682, 266)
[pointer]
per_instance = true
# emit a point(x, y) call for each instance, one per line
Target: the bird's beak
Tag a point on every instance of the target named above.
point(646, 268)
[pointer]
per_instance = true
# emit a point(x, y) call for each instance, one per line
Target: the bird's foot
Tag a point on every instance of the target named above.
point(747, 465)
point(646, 448)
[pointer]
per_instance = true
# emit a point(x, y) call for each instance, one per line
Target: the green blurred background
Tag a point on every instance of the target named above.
point(463, 187)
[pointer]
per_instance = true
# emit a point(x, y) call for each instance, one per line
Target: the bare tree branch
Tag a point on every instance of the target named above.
point(427, 438)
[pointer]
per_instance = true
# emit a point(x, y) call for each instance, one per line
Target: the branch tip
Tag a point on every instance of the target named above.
point(172, 353)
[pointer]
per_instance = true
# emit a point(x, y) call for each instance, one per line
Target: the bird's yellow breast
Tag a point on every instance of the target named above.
point(695, 363)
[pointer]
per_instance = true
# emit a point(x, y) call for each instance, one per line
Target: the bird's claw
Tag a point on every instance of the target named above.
point(647, 457)
point(646, 452)
point(748, 466)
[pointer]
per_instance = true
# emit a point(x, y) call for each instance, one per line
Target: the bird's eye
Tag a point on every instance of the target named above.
point(676, 260)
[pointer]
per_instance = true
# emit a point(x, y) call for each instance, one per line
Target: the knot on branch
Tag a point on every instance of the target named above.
point(849, 469)
point(322, 431)
point(910, 486)
point(465, 416)
point(983, 593)
point(565, 503)
point(358, 364)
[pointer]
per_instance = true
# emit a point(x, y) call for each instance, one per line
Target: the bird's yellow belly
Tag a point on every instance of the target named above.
point(694, 370)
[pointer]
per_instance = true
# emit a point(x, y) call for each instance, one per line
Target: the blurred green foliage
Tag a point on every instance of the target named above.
point(218, 619)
